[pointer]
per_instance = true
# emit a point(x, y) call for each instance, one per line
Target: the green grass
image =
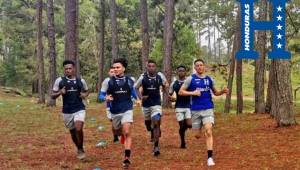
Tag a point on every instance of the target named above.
point(27, 129)
point(248, 81)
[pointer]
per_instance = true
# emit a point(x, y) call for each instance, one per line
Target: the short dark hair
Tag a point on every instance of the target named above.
point(151, 61)
point(111, 67)
point(199, 59)
point(123, 61)
point(68, 62)
point(181, 66)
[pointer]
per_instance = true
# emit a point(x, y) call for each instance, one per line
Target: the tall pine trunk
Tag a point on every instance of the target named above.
point(239, 71)
point(282, 107)
point(52, 51)
point(259, 75)
point(269, 90)
point(114, 29)
point(41, 73)
point(145, 34)
point(101, 44)
point(71, 19)
point(168, 41)
point(236, 47)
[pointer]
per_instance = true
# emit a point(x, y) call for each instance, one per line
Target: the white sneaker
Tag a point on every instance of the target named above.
point(210, 162)
point(80, 154)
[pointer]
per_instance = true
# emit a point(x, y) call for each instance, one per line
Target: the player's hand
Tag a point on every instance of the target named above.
point(109, 98)
point(82, 95)
point(197, 92)
point(172, 99)
point(144, 98)
point(63, 90)
point(138, 102)
point(225, 90)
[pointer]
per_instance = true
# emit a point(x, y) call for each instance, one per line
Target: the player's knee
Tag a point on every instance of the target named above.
point(148, 125)
point(189, 125)
point(208, 132)
point(156, 117)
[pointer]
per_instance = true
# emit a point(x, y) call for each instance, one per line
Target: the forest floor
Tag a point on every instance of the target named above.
point(33, 137)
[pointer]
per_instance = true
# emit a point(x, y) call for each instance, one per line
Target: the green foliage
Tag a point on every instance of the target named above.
point(18, 36)
point(185, 49)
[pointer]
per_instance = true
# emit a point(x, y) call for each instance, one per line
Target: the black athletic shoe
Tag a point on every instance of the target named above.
point(126, 163)
point(116, 139)
point(156, 151)
point(183, 146)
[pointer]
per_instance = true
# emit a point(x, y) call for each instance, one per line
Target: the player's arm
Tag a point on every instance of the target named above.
point(137, 86)
point(184, 92)
point(220, 92)
point(165, 83)
point(85, 92)
point(171, 92)
point(103, 91)
point(56, 92)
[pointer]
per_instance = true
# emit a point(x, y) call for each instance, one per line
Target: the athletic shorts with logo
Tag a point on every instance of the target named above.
point(151, 111)
point(183, 113)
point(70, 119)
point(119, 119)
point(201, 117)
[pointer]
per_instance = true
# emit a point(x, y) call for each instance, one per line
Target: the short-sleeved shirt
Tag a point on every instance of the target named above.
point(151, 88)
point(104, 86)
point(205, 84)
point(71, 100)
point(181, 101)
point(121, 91)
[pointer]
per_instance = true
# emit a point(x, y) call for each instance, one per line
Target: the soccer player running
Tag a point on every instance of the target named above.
point(151, 81)
point(119, 90)
point(200, 86)
point(102, 96)
point(182, 105)
point(73, 89)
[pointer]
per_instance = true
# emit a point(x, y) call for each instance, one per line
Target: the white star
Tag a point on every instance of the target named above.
point(279, 45)
point(279, 27)
point(279, 8)
point(279, 36)
point(279, 17)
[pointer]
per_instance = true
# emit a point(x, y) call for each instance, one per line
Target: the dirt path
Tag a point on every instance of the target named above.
point(246, 141)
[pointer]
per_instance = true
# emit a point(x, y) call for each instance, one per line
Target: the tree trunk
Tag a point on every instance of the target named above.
point(282, 99)
point(269, 90)
point(231, 75)
point(259, 77)
point(52, 51)
point(41, 73)
point(101, 44)
point(71, 18)
point(236, 47)
point(114, 29)
point(239, 70)
point(145, 34)
point(239, 86)
point(168, 41)
point(209, 42)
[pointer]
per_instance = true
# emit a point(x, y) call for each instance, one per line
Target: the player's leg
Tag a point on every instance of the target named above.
point(156, 113)
point(182, 128)
point(208, 121)
point(147, 116)
point(127, 120)
point(79, 118)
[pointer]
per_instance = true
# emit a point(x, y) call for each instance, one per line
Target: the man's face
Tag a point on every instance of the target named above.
point(199, 67)
point(118, 69)
point(69, 70)
point(111, 72)
point(181, 72)
point(151, 68)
